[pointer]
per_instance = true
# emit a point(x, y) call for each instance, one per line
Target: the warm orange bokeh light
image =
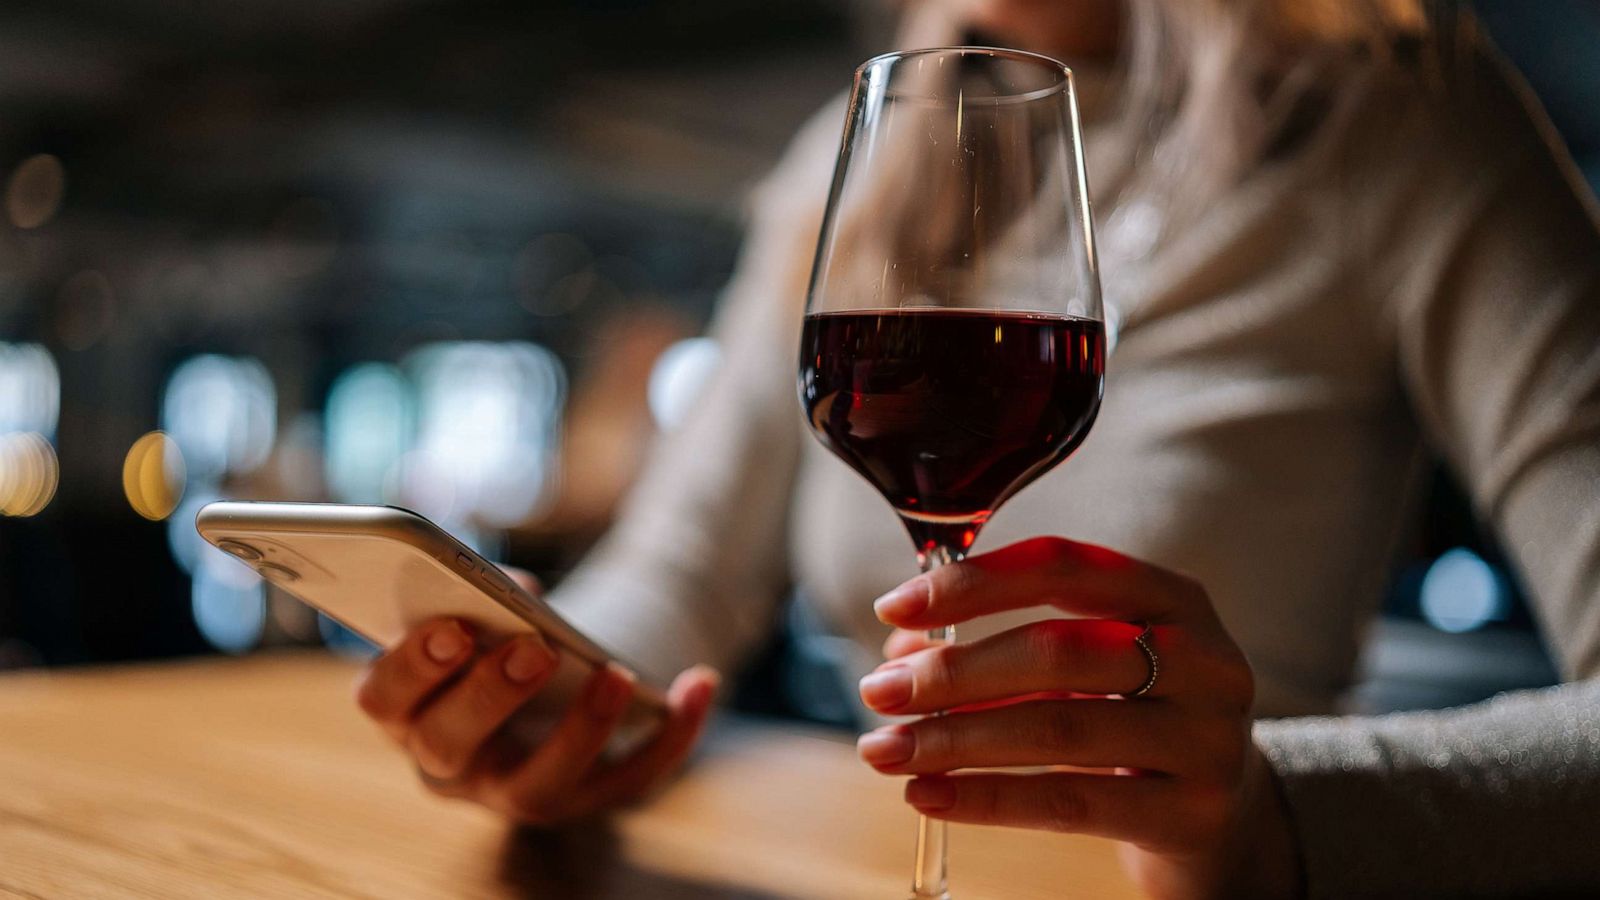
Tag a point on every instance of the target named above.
point(153, 476)
point(29, 473)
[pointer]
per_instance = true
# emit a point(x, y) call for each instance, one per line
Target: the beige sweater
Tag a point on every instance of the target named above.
point(1421, 273)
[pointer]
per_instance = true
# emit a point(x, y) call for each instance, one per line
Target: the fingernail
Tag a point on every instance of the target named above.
point(703, 690)
point(931, 794)
point(904, 602)
point(447, 643)
point(611, 695)
point(529, 658)
point(713, 677)
point(887, 689)
point(889, 746)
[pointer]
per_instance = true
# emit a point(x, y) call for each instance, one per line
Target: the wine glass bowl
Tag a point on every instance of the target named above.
point(953, 348)
point(948, 412)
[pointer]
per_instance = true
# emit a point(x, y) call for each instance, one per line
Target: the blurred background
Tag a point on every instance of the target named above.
point(454, 256)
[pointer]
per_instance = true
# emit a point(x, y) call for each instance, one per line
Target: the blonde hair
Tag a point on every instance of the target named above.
point(1210, 87)
point(1204, 94)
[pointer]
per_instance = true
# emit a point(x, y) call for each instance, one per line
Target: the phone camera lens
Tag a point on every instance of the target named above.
point(275, 572)
point(240, 549)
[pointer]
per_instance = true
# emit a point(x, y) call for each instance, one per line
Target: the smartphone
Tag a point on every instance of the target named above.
point(382, 570)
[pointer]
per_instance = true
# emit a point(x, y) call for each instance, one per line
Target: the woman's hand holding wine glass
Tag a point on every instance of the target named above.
point(1176, 774)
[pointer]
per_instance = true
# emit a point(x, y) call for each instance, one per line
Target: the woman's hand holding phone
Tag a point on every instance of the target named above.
point(447, 704)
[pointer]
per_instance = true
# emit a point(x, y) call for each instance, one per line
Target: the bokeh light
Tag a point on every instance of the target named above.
point(186, 544)
point(680, 374)
point(1462, 593)
point(153, 476)
point(34, 191)
point(222, 412)
point(489, 420)
point(369, 424)
point(30, 407)
point(229, 603)
point(29, 473)
point(30, 389)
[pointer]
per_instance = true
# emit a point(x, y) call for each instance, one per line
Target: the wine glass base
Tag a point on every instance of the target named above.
point(943, 895)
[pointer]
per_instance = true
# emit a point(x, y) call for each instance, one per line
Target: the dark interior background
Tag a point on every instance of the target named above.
point(321, 197)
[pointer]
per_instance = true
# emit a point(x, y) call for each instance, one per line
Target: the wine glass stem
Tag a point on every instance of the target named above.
point(930, 881)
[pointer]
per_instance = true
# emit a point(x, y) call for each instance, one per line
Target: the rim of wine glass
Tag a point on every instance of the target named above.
point(994, 52)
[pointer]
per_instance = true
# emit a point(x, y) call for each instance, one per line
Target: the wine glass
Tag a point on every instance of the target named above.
point(953, 348)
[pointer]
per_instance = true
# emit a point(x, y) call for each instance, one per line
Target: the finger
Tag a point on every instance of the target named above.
point(447, 787)
point(1085, 656)
point(398, 682)
point(524, 579)
point(902, 642)
point(1148, 811)
point(539, 790)
point(1080, 578)
point(446, 736)
point(689, 705)
point(1086, 733)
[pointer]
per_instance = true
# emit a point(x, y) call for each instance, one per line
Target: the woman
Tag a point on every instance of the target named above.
point(1329, 238)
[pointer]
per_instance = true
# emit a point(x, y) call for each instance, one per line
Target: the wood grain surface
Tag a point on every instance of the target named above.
point(257, 778)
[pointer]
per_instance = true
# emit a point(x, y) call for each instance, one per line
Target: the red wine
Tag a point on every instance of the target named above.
point(950, 412)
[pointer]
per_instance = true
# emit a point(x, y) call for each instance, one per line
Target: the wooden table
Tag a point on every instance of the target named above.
point(257, 778)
